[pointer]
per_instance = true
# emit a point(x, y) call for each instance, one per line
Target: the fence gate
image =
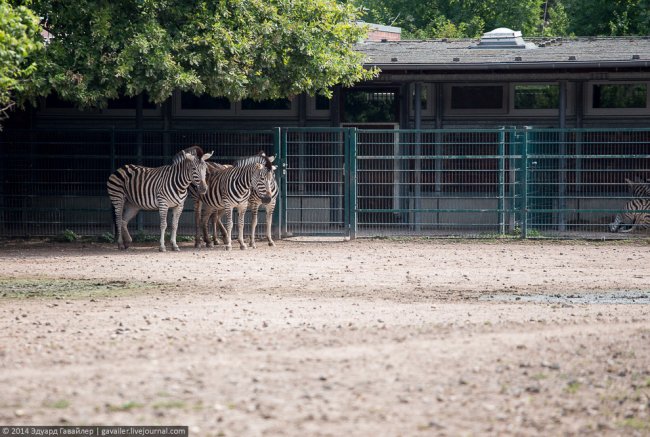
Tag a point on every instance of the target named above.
point(316, 181)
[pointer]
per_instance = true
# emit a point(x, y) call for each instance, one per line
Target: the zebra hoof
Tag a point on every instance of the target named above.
point(253, 246)
point(243, 247)
point(228, 248)
point(162, 249)
point(176, 249)
point(271, 243)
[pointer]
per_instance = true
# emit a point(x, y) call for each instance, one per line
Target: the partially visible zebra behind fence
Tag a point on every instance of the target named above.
point(638, 187)
point(133, 188)
point(230, 188)
point(635, 217)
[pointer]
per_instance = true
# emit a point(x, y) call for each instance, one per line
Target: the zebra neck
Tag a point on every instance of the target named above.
point(183, 175)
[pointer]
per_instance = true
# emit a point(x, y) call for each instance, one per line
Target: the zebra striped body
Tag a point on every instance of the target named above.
point(630, 219)
point(231, 188)
point(638, 187)
point(254, 202)
point(133, 188)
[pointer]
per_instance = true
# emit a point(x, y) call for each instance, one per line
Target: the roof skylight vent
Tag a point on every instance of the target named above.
point(503, 38)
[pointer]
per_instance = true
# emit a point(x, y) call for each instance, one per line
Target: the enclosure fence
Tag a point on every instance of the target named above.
point(349, 182)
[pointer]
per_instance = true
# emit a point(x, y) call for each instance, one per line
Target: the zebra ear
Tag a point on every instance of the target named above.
point(275, 167)
point(271, 158)
point(206, 156)
point(630, 183)
point(189, 156)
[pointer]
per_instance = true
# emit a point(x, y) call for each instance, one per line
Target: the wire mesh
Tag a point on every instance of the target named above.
point(314, 182)
point(55, 180)
point(340, 181)
point(439, 182)
point(577, 179)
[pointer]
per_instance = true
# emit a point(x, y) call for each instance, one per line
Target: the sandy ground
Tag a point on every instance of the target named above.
point(361, 338)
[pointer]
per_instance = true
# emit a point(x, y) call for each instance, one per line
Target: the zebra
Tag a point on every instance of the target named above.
point(134, 187)
point(254, 202)
point(630, 219)
point(638, 187)
point(232, 187)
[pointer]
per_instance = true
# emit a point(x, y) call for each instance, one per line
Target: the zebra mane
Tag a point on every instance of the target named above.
point(193, 150)
point(260, 158)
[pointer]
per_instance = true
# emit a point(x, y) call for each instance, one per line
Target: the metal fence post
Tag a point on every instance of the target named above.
point(524, 183)
point(284, 229)
point(351, 181)
point(502, 179)
point(277, 213)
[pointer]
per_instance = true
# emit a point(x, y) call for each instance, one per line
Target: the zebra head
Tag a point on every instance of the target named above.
point(198, 170)
point(263, 179)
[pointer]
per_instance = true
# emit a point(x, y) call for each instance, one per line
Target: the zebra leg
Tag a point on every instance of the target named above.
point(219, 223)
point(228, 238)
point(241, 216)
point(198, 205)
point(205, 219)
point(269, 221)
point(216, 222)
point(176, 215)
point(254, 211)
point(128, 213)
point(117, 211)
point(162, 209)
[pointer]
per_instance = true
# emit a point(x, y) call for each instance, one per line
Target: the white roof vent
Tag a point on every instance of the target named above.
point(503, 38)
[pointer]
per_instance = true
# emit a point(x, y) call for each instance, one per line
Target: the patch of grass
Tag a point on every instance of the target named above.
point(67, 288)
point(66, 236)
point(572, 387)
point(60, 404)
point(106, 237)
point(170, 404)
point(636, 423)
point(141, 237)
point(539, 376)
point(127, 406)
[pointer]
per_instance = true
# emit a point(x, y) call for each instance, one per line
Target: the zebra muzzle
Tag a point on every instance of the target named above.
point(266, 200)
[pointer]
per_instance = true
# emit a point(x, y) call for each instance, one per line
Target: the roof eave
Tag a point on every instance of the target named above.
point(519, 65)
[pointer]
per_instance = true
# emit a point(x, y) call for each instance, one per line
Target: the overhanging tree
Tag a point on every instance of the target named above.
point(20, 40)
point(261, 49)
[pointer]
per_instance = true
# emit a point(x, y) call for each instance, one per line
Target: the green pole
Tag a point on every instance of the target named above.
point(277, 213)
point(502, 179)
point(524, 184)
point(352, 182)
point(284, 230)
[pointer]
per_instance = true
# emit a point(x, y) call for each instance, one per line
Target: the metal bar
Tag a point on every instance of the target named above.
point(352, 182)
point(524, 183)
point(502, 180)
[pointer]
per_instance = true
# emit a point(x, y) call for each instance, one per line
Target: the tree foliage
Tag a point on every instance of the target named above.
point(20, 39)
point(454, 18)
point(261, 49)
point(608, 17)
point(470, 18)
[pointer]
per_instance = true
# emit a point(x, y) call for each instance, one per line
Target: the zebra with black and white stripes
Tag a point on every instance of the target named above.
point(632, 219)
point(638, 187)
point(133, 188)
point(254, 202)
point(231, 188)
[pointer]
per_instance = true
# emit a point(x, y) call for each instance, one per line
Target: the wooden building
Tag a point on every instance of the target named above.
point(500, 80)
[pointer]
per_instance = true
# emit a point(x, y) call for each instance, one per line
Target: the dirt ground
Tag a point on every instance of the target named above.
point(329, 338)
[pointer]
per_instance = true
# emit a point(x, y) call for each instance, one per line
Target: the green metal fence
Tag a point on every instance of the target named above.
point(347, 181)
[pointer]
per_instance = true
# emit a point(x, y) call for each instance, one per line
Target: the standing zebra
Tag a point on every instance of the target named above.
point(133, 187)
point(232, 187)
point(631, 219)
point(254, 202)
